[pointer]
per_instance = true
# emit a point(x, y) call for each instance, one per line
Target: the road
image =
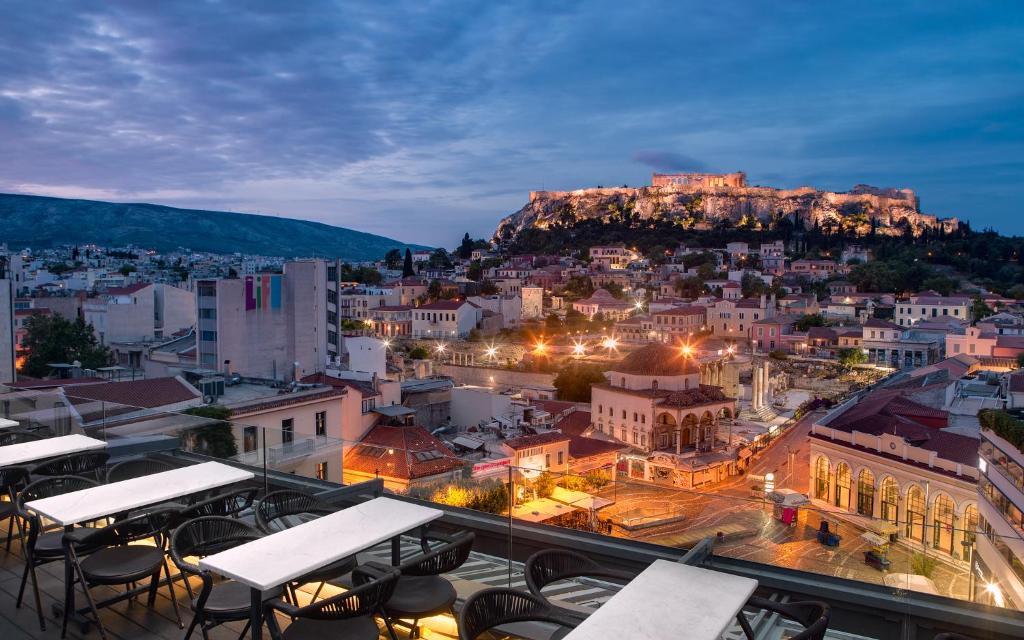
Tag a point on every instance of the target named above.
point(750, 530)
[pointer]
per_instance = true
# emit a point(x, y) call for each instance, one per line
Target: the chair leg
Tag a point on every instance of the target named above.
point(387, 623)
point(10, 530)
point(245, 630)
point(39, 601)
point(317, 592)
point(745, 625)
point(24, 580)
point(89, 601)
point(174, 597)
point(192, 626)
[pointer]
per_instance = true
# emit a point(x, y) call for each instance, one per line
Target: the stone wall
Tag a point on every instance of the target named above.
point(498, 378)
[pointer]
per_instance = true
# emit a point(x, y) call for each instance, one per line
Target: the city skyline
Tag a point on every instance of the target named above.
point(393, 120)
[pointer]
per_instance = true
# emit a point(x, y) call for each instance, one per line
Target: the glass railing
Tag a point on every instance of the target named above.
point(934, 554)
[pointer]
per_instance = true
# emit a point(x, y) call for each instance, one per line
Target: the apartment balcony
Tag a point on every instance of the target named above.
point(285, 452)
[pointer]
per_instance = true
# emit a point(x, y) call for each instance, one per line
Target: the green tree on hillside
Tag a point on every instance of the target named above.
point(407, 271)
point(573, 382)
point(55, 339)
point(393, 259)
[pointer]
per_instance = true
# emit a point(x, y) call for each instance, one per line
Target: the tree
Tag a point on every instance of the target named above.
point(752, 285)
point(232, 273)
point(615, 289)
point(393, 259)
point(418, 353)
point(809, 320)
point(440, 259)
point(552, 323)
point(434, 290)
point(475, 272)
point(689, 287)
point(941, 284)
point(980, 310)
point(852, 357)
point(465, 250)
point(407, 271)
point(212, 438)
point(573, 381)
point(126, 269)
point(53, 339)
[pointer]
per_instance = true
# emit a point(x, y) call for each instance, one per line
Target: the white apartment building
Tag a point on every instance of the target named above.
point(611, 257)
point(929, 305)
point(1000, 545)
point(140, 312)
point(270, 326)
point(510, 308)
point(445, 319)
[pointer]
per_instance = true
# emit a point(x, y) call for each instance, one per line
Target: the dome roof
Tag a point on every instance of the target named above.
point(656, 359)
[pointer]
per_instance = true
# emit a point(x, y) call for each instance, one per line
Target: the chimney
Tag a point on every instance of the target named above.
point(375, 381)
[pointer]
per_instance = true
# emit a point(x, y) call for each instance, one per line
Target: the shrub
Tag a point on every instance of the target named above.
point(922, 565)
point(778, 354)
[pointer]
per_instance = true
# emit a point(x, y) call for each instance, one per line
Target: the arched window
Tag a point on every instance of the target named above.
point(890, 500)
point(865, 492)
point(970, 530)
point(915, 512)
point(843, 481)
point(942, 523)
point(821, 478)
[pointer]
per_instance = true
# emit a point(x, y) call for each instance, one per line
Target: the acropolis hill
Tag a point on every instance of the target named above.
point(702, 200)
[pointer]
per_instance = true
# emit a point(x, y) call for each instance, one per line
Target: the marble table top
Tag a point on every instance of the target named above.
point(47, 448)
point(286, 555)
point(7, 424)
point(117, 497)
point(667, 601)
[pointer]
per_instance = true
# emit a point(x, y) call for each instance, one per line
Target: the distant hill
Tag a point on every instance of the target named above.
point(41, 222)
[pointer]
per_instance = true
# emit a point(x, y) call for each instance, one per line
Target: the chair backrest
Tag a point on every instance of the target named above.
point(17, 436)
point(551, 565)
point(13, 479)
point(136, 468)
point(812, 614)
point(45, 488)
point(74, 464)
point(151, 525)
point(489, 608)
point(276, 505)
point(366, 599)
point(206, 536)
point(448, 557)
point(230, 503)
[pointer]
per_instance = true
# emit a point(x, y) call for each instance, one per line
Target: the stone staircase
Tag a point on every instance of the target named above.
point(763, 414)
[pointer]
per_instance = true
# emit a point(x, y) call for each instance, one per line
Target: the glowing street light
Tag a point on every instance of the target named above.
point(491, 352)
point(579, 349)
point(386, 343)
point(730, 349)
point(440, 348)
point(687, 350)
point(540, 348)
point(610, 343)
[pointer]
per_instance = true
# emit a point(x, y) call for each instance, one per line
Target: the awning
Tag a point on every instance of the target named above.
point(788, 498)
point(394, 410)
point(580, 499)
point(873, 539)
point(541, 509)
point(882, 527)
point(910, 581)
point(468, 442)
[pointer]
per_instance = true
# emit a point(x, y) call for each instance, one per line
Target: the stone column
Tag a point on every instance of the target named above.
point(754, 392)
point(679, 438)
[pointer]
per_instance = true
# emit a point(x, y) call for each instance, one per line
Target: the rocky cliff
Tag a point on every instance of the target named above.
point(890, 211)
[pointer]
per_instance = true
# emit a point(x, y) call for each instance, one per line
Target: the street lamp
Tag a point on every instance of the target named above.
point(610, 343)
point(491, 352)
point(579, 349)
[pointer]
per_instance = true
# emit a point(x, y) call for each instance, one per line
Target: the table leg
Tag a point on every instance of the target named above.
point(256, 614)
point(69, 589)
point(396, 551)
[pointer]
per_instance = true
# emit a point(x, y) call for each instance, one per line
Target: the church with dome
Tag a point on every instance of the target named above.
point(665, 405)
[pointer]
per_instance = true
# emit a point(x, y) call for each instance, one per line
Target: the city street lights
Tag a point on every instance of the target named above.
point(491, 352)
point(579, 349)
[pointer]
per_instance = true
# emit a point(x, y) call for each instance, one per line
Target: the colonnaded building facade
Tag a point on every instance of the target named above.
point(658, 400)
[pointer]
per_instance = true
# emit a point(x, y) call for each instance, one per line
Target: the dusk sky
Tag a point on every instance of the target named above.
point(422, 120)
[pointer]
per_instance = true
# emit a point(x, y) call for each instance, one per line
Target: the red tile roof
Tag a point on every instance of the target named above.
point(401, 452)
point(536, 440)
point(876, 323)
point(124, 291)
point(365, 388)
point(146, 394)
point(444, 305)
point(574, 424)
point(583, 447)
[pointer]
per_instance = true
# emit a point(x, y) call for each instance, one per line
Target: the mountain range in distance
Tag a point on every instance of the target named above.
point(42, 222)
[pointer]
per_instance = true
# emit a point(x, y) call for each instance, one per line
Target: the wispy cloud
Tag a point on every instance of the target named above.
point(424, 120)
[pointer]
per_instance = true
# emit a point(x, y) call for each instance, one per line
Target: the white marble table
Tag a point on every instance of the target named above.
point(47, 448)
point(667, 601)
point(7, 424)
point(281, 557)
point(117, 497)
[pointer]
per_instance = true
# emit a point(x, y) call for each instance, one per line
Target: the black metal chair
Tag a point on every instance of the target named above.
point(111, 559)
point(17, 436)
point(422, 591)
point(553, 565)
point(85, 463)
point(811, 614)
point(12, 480)
point(43, 544)
point(348, 615)
point(280, 510)
point(490, 608)
point(217, 602)
point(230, 503)
point(136, 468)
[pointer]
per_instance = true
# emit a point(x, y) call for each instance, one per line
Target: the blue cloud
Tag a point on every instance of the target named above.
point(424, 120)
